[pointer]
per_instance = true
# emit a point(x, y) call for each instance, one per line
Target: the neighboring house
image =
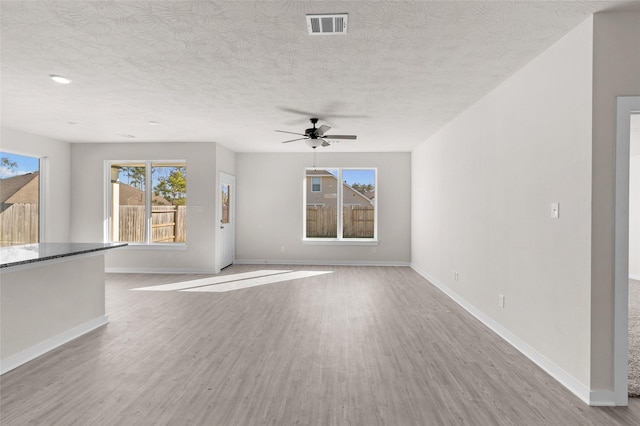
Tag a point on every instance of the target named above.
point(19, 200)
point(22, 189)
point(132, 196)
point(321, 191)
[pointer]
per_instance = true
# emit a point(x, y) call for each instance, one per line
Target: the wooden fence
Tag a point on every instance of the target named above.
point(18, 224)
point(357, 222)
point(168, 224)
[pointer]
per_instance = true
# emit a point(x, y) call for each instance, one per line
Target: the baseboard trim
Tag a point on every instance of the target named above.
point(33, 352)
point(594, 398)
point(159, 271)
point(256, 262)
point(319, 262)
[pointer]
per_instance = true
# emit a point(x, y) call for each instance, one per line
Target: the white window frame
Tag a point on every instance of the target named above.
point(44, 182)
point(340, 240)
point(148, 198)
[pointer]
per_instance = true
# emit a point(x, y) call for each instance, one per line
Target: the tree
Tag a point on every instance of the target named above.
point(135, 176)
point(7, 167)
point(173, 187)
point(363, 188)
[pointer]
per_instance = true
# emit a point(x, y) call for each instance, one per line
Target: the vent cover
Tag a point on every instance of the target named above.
point(327, 24)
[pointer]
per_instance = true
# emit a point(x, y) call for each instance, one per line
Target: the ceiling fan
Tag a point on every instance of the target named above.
point(316, 137)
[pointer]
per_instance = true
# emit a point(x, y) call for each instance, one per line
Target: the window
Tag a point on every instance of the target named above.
point(316, 184)
point(225, 203)
point(147, 202)
point(20, 203)
point(340, 212)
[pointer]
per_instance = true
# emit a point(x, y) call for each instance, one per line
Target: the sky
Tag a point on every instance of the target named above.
point(359, 176)
point(25, 165)
point(351, 176)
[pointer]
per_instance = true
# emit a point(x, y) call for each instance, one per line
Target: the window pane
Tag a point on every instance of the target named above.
point(19, 211)
point(226, 200)
point(322, 205)
point(316, 184)
point(128, 203)
point(358, 203)
point(169, 203)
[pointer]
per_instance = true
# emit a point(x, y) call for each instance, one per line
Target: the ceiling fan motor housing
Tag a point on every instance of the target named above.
point(312, 131)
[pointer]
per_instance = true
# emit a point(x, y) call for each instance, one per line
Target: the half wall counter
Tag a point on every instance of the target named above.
point(50, 293)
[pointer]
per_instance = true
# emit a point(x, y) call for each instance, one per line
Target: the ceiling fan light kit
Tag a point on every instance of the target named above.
point(314, 143)
point(315, 137)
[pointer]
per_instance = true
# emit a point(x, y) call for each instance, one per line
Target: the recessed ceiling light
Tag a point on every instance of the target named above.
point(59, 79)
point(127, 136)
point(72, 123)
point(153, 123)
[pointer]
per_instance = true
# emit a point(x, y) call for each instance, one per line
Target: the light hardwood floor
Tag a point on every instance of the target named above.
point(360, 346)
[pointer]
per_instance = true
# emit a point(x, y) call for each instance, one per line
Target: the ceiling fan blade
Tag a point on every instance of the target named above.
point(293, 140)
point(339, 136)
point(293, 133)
point(302, 112)
point(325, 143)
point(322, 130)
point(294, 111)
point(320, 115)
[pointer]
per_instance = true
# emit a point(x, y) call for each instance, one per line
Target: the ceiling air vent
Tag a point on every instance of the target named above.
point(327, 24)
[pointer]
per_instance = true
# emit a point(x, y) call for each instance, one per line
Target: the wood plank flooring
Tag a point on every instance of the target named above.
point(359, 346)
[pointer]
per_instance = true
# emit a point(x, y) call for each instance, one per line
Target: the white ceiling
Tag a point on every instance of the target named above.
point(232, 71)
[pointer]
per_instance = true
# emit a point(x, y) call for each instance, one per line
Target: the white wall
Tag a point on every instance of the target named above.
point(481, 194)
point(55, 178)
point(225, 160)
point(88, 204)
point(269, 209)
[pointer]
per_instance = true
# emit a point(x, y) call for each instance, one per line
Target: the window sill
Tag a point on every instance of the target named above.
point(341, 242)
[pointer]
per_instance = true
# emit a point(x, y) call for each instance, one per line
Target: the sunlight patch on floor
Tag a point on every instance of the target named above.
point(254, 282)
point(182, 285)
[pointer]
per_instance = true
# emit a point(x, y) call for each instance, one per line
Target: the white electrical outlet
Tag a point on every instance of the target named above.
point(501, 300)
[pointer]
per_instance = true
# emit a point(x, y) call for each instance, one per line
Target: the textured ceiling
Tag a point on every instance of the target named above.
point(232, 72)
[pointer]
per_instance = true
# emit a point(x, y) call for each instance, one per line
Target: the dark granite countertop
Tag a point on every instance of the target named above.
point(30, 253)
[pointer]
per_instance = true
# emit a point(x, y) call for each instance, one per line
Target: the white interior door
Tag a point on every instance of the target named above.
point(626, 106)
point(226, 213)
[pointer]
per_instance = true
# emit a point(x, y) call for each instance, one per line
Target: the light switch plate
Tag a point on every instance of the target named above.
point(555, 210)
